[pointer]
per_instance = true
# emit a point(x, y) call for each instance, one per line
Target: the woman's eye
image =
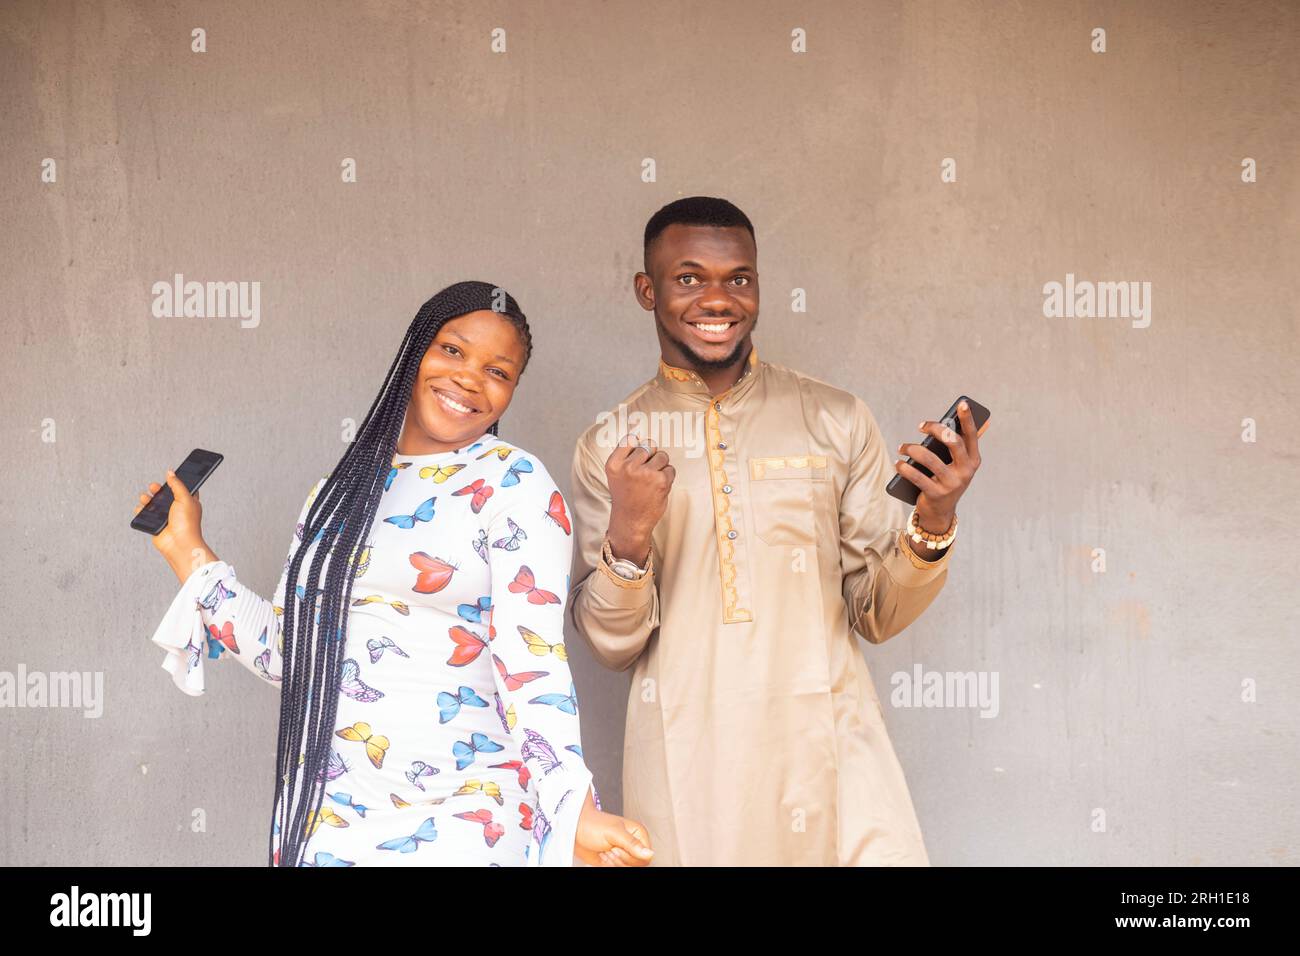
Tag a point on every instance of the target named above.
point(501, 373)
point(449, 348)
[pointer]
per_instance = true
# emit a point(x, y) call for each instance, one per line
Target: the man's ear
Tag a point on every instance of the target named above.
point(644, 288)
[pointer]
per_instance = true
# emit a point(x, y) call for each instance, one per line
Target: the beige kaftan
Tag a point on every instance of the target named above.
point(754, 735)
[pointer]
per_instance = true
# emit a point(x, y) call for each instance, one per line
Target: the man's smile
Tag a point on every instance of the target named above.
point(714, 331)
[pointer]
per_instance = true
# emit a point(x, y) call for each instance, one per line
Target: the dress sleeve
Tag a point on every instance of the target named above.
point(886, 584)
point(530, 547)
point(214, 615)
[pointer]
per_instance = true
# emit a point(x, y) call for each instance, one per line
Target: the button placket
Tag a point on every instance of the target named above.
point(734, 590)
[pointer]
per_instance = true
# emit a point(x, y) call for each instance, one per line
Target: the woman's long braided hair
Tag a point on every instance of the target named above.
point(316, 621)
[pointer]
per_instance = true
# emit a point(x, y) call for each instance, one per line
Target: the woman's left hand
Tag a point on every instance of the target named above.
point(605, 839)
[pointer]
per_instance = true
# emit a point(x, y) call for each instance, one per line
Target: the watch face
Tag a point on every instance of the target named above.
point(626, 569)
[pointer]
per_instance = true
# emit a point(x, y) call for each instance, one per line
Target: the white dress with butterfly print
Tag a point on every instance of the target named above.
point(456, 740)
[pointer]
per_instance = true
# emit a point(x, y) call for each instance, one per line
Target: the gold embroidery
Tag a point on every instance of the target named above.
point(681, 375)
point(731, 614)
point(671, 371)
point(758, 466)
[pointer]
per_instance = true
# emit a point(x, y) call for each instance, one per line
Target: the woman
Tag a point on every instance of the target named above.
point(427, 712)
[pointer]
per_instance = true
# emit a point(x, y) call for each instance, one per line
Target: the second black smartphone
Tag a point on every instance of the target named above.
point(903, 489)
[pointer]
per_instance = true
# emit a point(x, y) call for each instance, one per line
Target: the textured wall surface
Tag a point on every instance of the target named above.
point(1147, 712)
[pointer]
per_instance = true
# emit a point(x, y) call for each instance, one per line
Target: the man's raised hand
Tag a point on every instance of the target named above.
point(639, 476)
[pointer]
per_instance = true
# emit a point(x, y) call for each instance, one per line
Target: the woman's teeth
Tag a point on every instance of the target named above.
point(454, 405)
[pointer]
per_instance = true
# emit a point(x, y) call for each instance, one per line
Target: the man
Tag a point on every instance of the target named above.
point(732, 576)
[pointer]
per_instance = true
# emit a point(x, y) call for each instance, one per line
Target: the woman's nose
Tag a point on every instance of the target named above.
point(469, 380)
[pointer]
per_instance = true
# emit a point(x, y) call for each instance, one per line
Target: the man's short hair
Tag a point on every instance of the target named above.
point(696, 211)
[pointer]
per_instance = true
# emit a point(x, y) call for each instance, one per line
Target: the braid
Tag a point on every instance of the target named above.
point(315, 625)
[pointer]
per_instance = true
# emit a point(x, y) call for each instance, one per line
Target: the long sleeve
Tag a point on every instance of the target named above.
point(614, 616)
point(886, 584)
point(529, 554)
point(214, 615)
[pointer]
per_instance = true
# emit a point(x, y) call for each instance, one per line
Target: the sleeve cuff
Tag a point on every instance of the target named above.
point(182, 633)
point(616, 591)
point(560, 798)
point(910, 569)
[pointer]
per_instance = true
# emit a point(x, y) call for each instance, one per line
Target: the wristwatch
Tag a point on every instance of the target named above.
point(624, 568)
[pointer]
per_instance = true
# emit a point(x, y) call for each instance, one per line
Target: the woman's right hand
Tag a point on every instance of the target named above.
point(181, 541)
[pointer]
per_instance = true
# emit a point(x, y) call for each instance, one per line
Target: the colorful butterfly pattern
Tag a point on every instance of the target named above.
point(456, 735)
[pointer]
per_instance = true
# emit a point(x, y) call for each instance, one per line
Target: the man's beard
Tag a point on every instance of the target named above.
point(696, 359)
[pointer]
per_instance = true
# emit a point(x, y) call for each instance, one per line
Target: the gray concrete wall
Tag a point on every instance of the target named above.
point(1121, 693)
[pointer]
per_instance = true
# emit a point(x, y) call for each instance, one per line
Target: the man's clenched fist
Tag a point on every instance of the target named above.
point(639, 481)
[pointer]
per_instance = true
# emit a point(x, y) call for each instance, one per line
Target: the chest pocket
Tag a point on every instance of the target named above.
point(785, 493)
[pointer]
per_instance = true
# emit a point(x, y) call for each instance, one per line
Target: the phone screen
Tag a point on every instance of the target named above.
point(193, 471)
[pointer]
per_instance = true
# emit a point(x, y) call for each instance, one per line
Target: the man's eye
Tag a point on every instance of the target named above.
point(743, 280)
point(683, 279)
point(501, 373)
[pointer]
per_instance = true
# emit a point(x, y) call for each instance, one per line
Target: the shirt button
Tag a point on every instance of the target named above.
point(731, 534)
point(717, 406)
point(722, 444)
point(726, 489)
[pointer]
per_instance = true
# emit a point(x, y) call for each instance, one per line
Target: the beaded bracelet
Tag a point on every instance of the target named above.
point(936, 542)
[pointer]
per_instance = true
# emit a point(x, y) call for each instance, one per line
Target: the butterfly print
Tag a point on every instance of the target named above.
point(426, 833)
point(521, 467)
point(377, 645)
point(435, 573)
point(422, 513)
point(449, 704)
point(518, 680)
point(440, 473)
point(466, 750)
point(352, 685)
point(481, 491)
point(488, 788)
point(555, 512)
point(456, 730)
point(420, 769)
point(468, 646)
point(492, 831)
point(539, 646)
point(516, 536)
point(525, 583)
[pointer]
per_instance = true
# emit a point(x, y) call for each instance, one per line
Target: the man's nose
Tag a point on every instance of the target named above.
point(716, 300)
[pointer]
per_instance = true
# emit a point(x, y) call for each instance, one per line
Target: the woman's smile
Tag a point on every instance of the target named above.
point(456, 404)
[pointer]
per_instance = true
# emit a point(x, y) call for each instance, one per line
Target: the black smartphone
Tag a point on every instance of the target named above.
point(904, 490)
point(194, 471)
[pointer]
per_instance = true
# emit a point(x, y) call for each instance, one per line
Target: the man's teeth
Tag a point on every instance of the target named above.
point(721, 327)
